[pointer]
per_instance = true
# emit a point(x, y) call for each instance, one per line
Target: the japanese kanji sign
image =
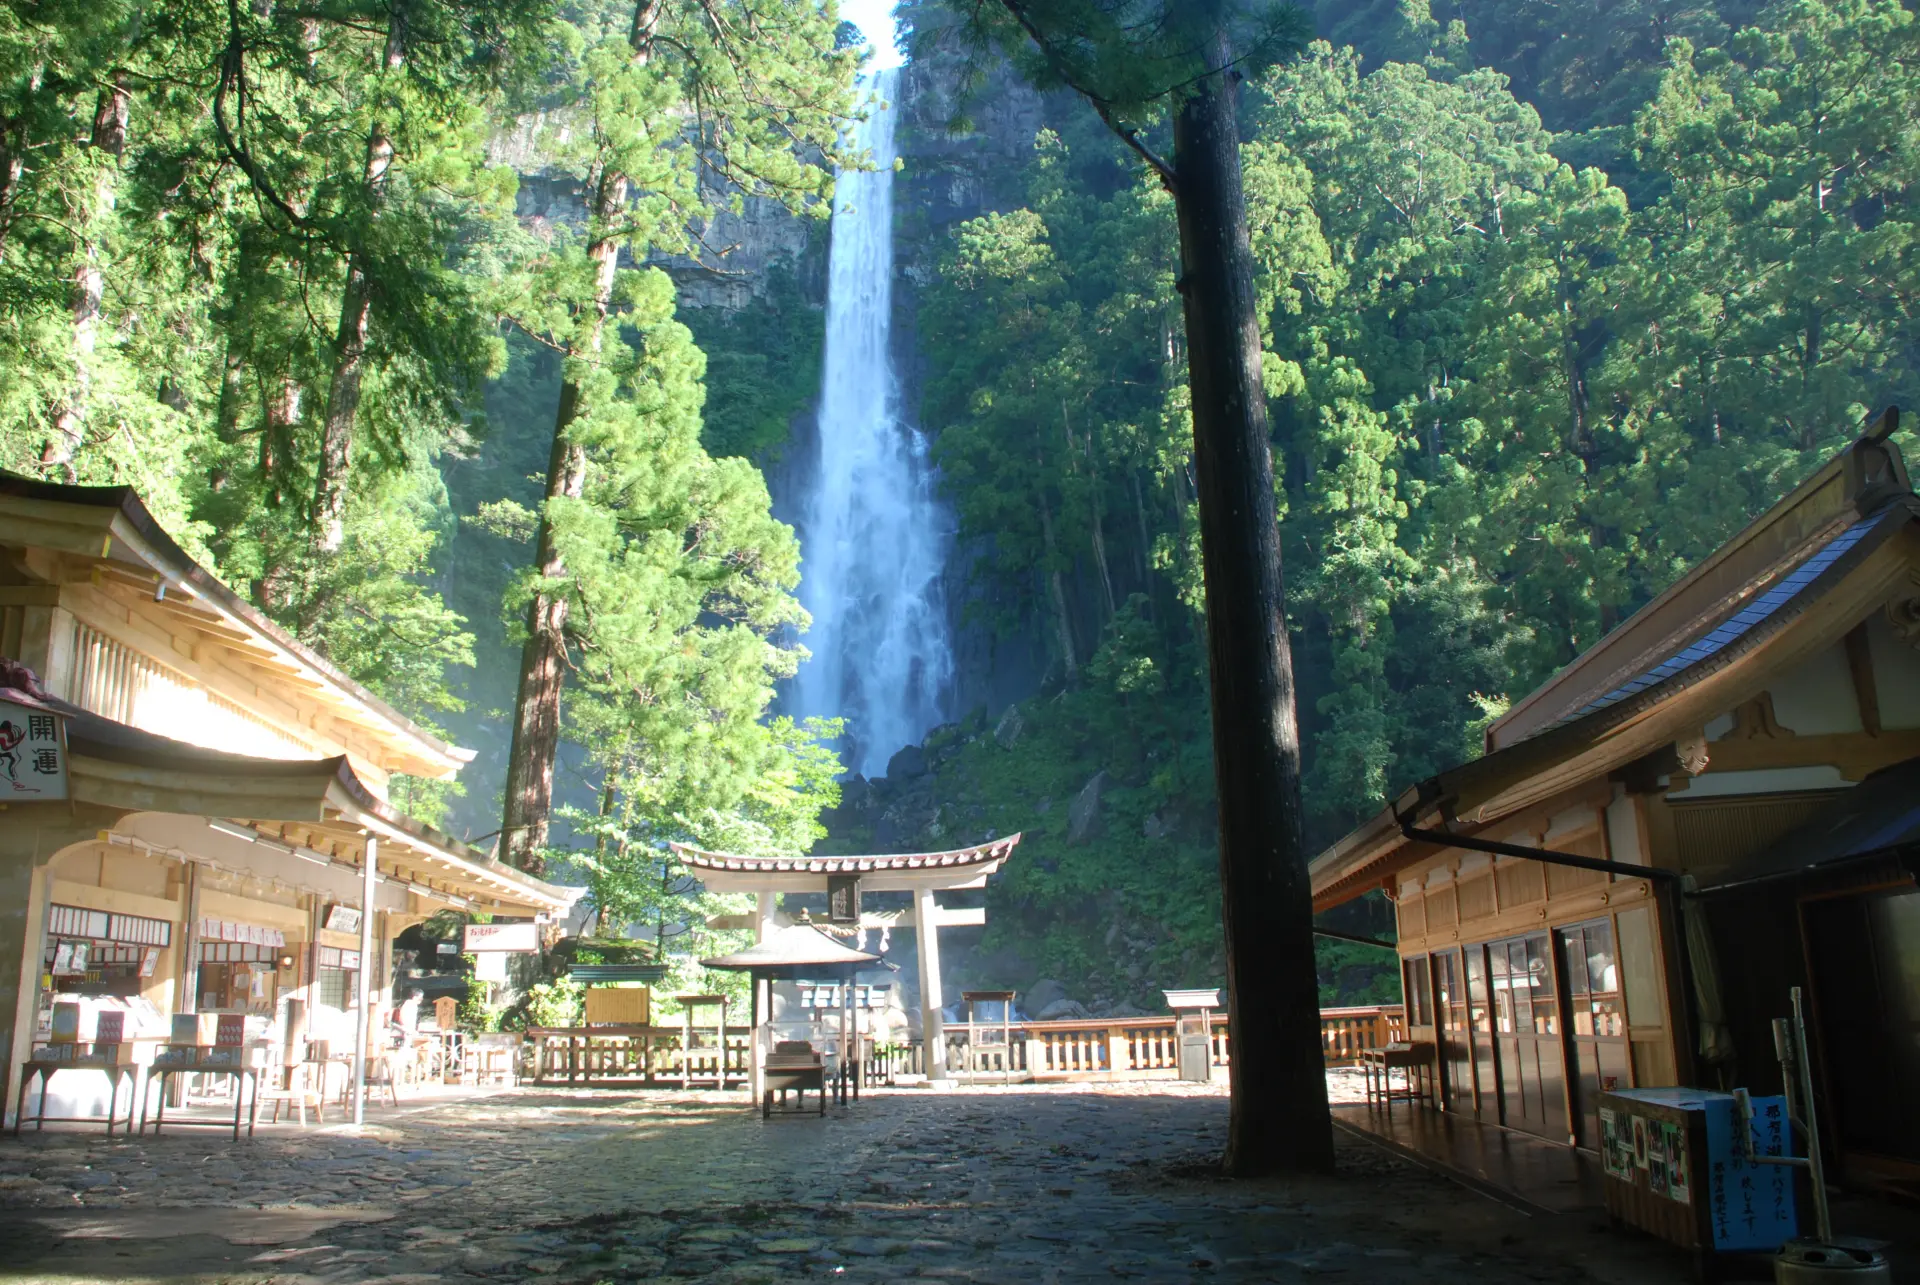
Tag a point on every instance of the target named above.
point(33, 754)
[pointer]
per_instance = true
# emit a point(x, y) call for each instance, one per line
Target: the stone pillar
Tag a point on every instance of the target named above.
point(763, 925)
point(926, 932)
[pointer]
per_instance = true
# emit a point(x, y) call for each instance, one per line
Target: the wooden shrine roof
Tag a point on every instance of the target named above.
point(994, 850)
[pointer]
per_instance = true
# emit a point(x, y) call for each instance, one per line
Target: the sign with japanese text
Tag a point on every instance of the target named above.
point(33, 754)
point(843, 899)
point(512, 937)
point(1750, 1206)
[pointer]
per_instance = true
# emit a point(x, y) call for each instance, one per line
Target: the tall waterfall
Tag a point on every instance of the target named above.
point(873, 537)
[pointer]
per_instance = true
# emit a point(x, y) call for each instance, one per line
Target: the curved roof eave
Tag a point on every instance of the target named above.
point(146, 540)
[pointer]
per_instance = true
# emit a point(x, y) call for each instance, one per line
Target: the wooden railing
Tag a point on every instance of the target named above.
point(1136, 1047)
point(646, 1054)
point(1129, 1048)
point(1347, 1032)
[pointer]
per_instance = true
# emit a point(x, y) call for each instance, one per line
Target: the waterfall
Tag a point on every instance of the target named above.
point(873, 537)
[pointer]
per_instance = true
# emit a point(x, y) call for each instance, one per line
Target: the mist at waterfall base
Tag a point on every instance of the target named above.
point(873, 535)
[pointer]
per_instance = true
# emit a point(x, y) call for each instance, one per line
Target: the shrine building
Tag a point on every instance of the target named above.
point(193, 804)
point(1716, 803)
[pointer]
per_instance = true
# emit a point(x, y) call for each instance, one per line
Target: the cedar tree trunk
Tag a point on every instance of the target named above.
point(543, 659)
point(1279, 1114)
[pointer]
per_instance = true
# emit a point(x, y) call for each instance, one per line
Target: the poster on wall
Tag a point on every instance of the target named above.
point(33, 754)
point(1616, 1151)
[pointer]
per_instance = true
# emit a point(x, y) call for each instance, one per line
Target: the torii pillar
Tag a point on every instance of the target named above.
point(926, 935)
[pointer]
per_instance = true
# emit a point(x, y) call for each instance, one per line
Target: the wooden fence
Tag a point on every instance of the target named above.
point(1090, 1049)
point(1138, 1048)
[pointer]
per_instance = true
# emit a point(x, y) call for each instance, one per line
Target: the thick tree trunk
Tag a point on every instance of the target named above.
point(1056, 591)
point(1098, 535)
point(1279, 1117)
point(109, 142)
point(543, 659)
point(334, 469)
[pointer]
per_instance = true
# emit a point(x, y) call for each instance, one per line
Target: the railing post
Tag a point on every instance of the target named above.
point(1119, 1050)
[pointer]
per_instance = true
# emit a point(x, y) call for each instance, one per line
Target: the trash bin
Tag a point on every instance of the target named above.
point(1813, 1262)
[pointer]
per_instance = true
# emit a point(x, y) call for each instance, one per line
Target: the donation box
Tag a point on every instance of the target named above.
point(1675, 1169)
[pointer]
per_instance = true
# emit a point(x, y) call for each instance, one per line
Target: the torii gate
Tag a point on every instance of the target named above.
point(843, 879)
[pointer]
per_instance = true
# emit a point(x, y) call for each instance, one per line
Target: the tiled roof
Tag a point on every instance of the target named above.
point(1736, 626)
point(979, 854)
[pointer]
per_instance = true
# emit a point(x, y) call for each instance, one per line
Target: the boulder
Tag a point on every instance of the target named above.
point(1063, 1010)
point(1007, 731)
point(908, 764)
point(1042, 993)
point(1083, 818)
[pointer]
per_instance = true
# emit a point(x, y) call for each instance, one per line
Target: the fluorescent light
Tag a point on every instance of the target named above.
point(237, 832)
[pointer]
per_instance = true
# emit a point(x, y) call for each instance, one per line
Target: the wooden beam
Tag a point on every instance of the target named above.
point(1855, 754)
point(1860, 665)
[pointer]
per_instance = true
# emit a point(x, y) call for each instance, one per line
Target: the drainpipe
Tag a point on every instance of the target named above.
point(1354, 937)
point(1669, 887)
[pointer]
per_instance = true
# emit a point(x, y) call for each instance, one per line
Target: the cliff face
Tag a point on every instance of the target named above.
point(736, 252)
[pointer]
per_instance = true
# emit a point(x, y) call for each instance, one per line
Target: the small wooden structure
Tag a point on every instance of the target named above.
point(989, 1043)
point(1193, 1016)
point(799, 953)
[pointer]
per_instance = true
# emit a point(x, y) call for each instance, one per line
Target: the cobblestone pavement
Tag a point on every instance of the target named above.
point(589, 1186)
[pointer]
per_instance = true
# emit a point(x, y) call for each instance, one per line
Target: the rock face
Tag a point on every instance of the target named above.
point(1007, 731)
point(1083, 818)
point(908, 765)
point(735, 254)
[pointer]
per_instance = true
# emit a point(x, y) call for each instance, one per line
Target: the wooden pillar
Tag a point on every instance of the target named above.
point(926, 932)
point(32, 837)
point(362, 1028)
point(754, 1089)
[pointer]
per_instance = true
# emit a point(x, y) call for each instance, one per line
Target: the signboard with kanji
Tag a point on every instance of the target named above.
point(843, 899)
point(33, 754)
point(502, 937)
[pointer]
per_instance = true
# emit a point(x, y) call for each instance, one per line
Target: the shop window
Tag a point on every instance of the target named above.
point(1593, 980)
point(337, 988)
point(1416, 978)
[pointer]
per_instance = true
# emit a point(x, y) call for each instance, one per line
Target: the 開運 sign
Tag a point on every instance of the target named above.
point(33, 754)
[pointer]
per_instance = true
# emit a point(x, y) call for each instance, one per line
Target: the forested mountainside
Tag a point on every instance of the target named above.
point(1555, 299)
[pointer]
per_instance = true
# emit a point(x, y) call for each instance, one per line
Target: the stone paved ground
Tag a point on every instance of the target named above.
point(589, 1186)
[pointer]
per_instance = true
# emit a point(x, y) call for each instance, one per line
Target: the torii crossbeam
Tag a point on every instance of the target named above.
point(921, 873)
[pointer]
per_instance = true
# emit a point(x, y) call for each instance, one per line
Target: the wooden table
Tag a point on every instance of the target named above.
point(1413, 1060)
point(45, 1070)
point(244, 1103)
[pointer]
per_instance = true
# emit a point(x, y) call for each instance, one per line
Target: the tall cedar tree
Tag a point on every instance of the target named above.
point(1130, 59)
point(691, 102)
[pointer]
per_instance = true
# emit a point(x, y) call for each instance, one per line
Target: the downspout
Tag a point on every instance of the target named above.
point(1359, 940)
point(1669, 886)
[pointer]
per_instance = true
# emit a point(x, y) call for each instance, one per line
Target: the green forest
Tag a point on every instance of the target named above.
point(1553, 301)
